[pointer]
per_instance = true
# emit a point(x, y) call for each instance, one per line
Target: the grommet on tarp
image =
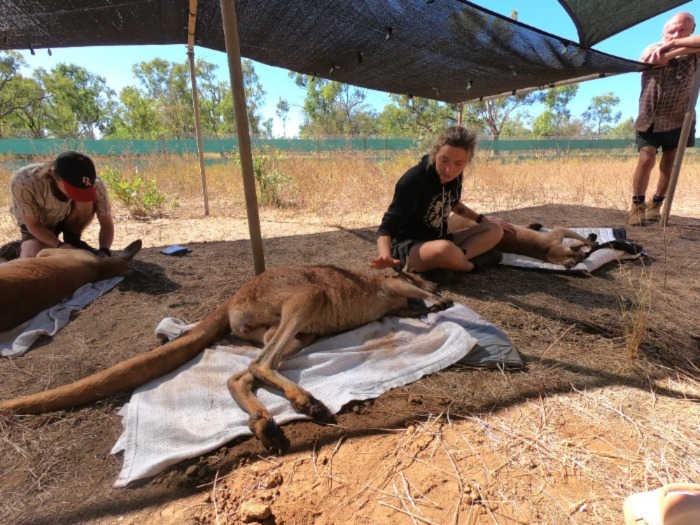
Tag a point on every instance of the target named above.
point(469, 84)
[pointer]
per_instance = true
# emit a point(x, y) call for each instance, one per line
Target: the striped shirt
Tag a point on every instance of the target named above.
point(34, 194)
point(665, 95)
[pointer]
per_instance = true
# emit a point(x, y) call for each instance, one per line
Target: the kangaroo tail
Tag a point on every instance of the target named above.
point(128, 374)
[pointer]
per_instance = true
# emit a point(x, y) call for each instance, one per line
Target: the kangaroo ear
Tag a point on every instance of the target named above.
point(131, 250)
point(575, 248)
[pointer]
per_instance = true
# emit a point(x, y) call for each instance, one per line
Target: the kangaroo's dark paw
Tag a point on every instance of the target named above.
point(270, 435)
point(592, 237)
point(314, 408)
point(444, 304)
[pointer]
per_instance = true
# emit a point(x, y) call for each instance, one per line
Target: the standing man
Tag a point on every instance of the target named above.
point(63, 197)
point(662, 106)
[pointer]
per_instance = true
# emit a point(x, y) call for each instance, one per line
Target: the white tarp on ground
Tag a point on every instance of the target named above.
point(19, 340)
point(597, 259)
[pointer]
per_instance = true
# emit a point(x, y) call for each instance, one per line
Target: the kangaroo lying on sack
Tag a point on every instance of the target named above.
point(35, 284)
point(284, 308)
point(545, 246)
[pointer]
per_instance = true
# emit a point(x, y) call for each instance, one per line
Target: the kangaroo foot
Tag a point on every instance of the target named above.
point(311, 406)
point(270, 435)
point(442, 305)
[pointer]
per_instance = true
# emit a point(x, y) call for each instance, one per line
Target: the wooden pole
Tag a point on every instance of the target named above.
point(195, 101)
point(233, 54)
point(680, 152)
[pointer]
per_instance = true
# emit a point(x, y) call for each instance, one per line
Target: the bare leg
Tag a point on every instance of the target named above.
point(31, 247)
point(478, 239)
point(665, 168)
point(647, 159)
point(80, 217)
point(438, 254)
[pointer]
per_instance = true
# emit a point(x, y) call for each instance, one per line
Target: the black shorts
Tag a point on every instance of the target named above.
point(666, 140)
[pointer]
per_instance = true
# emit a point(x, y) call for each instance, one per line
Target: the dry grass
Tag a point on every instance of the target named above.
point(350, 184)
point(554, 460)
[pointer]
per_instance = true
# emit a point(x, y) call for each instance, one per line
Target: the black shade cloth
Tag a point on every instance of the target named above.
point(446, 50)
point(596, 20)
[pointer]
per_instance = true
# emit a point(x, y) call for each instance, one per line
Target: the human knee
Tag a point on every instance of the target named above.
point(494, 232)
point(647, 157)
point(80, 217)
point(30, 248)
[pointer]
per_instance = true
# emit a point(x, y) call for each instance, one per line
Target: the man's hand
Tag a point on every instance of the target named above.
point(381, 263)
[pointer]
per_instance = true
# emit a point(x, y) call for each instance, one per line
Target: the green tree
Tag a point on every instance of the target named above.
point(331, 108)
point(21, 99)
point(136, 117)
point(415, 117)
point(255, 99)
point(79, 103)
point(166, 86)
point(282, 111)
point(556, 115)
point(624, 130)
point(600, 114)
point(492, 116)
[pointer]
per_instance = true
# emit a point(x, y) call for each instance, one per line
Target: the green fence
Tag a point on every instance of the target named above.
point(47, 147)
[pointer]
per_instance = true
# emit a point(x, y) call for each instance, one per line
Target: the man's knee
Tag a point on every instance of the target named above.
point(647, 156)
point(30, 248)
point(80, 217)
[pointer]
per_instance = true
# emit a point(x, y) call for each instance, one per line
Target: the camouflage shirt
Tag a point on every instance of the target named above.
point(34, 194)
point(665, 95)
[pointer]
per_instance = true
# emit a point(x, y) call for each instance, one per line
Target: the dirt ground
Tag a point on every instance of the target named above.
point(562, 441)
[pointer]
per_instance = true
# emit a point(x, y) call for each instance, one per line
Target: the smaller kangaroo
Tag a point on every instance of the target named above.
point(529, 241)
point(35, 284)
point(285, 309)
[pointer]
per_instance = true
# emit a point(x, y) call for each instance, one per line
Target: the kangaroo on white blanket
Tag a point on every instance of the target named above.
point(285, 309)
point(32, 285)
point(529, 241)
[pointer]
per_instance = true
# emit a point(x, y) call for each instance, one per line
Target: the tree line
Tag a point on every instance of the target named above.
point(71, 102)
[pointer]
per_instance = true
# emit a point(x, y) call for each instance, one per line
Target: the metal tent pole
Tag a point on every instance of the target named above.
point(680, 152)
point(233, 54)
point(195, 101)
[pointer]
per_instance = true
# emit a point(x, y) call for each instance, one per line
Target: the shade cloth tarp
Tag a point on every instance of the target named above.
point(445, 50)
point(596, 20)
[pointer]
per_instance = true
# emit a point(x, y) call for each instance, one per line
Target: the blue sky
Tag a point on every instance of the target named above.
point(115, 63)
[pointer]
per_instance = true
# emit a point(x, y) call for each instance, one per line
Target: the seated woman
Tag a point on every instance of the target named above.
point(413, 233)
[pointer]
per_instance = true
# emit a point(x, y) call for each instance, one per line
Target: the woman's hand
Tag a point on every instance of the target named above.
point(507, 227)
point(381, 263)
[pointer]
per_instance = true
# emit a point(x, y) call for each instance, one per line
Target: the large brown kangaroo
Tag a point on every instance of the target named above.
point(284, 308)
point(545, 246)
point(33, 285)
